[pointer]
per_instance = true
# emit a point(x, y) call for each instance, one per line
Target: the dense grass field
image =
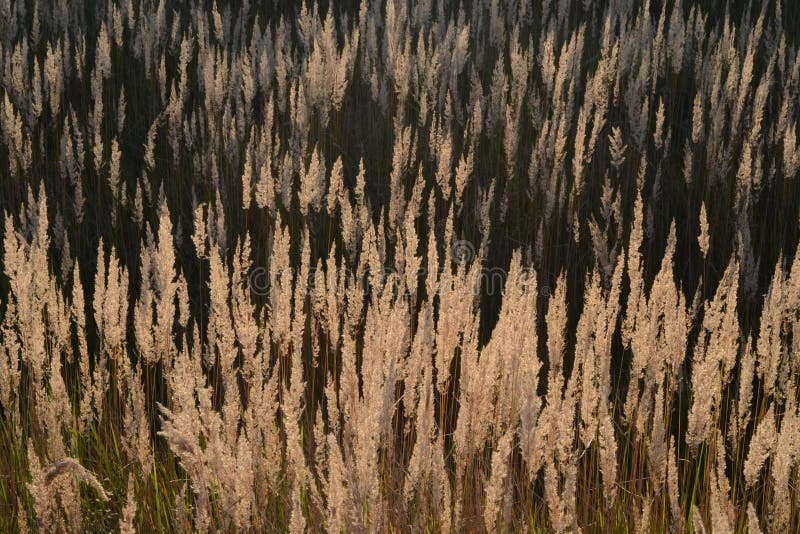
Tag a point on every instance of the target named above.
point(399, 266)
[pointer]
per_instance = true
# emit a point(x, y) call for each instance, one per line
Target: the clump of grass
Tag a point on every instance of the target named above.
point(400, 266)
